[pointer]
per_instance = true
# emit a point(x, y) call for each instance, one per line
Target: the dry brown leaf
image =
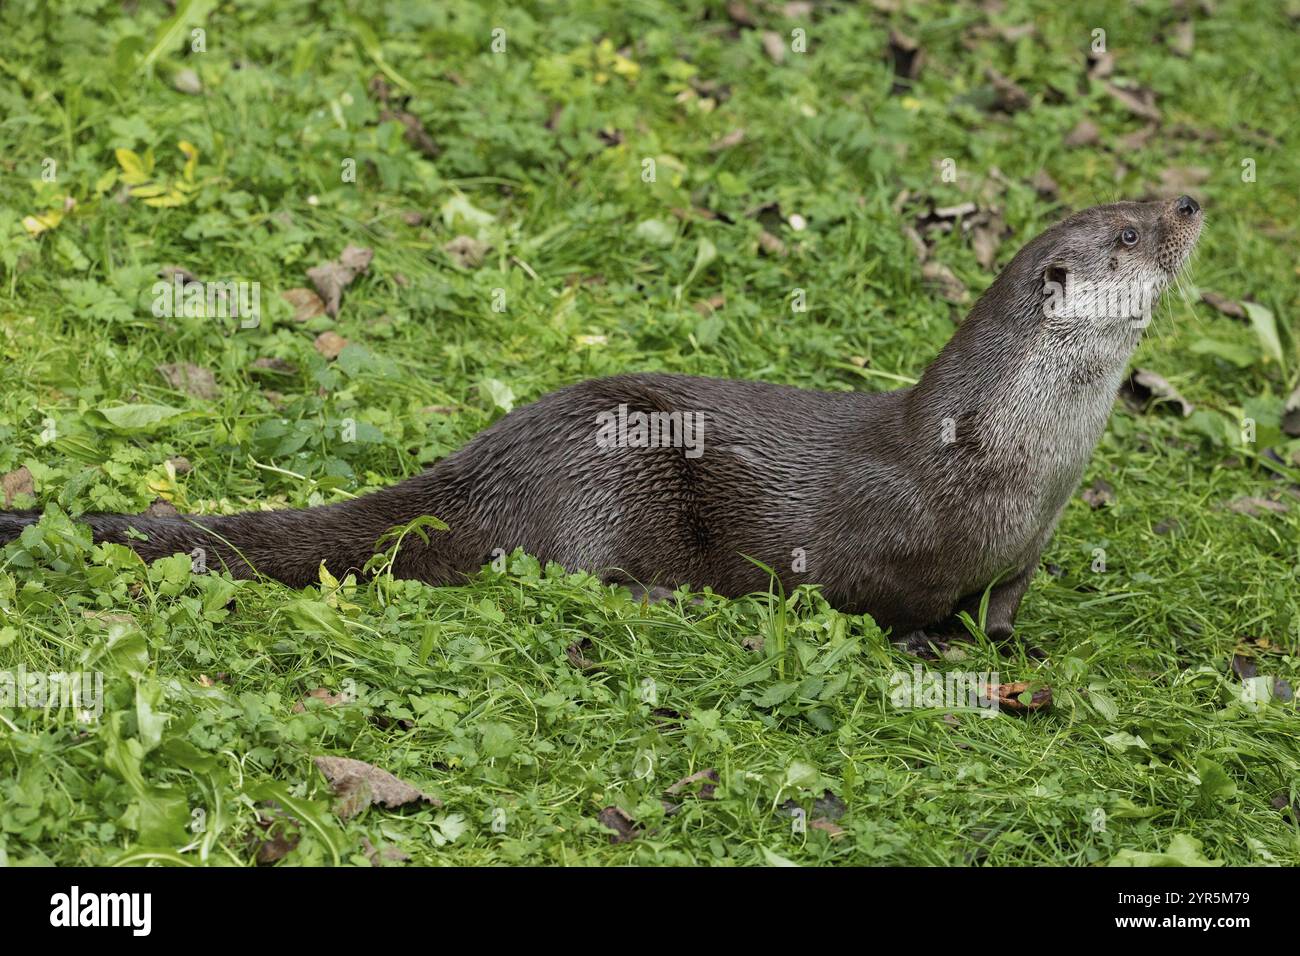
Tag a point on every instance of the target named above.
point(1136, 140)
point(625, 831)
point(1221, 303)
point(1011, 96)
point(707, 307)
point(986, 239)
point(280, 835)
point(1099, 494)
point(17, 482)
point(330, 344)
point(1183, 39)
point(1085, 133)
point(944, 281)
point(306, 303)
point(734, 138)
point(1180, 180)
point(1141, 102)
point(774, 46)
point(834, 830)
point(321, 694)
point(1100, 65)
point(1291, 414)
point(574, 652)
point(272, 364)
point(1257, 507)
point(466, 251)
point(191, 379)
point(1044, 184)
point(770, 244)
point(378, 856)
point(331, 278)
point(358, 785)
point(414, 132)
point(1008, 696)
point(160, 508)
point(740, 14)
point(705, 792)
point(1145, 387)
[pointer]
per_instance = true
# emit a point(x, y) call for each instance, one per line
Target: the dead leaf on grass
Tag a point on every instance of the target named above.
point(332, 277)
point(358, 785)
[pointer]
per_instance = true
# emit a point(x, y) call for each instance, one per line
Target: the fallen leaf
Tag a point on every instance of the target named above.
point(414, 132)
point(986, 239)
point(280, 835)
point(574, 653)
point(386, 854)
point(1291, 414)
point(331, 278)
point(1100, 65)
point(272, 364)
point(330, 344)
point(306, 303)
point(1008, 696)
point(734, 138)
point(954, 212)
point(1099, 494)
point(1145, 387)
point(740, 14)
point(321, 694)
point(944, 281)
point(1223, 304)
point(707, 307)
point(171, 272)
point(705, 792)
point(625, 831)
point(1085, 133)
point(1243, 667)
point(1256, 507)
point(1180, 180)
point(191, 379)
point(358, 785)
point(1136, 140)
point(466, 251)
point(17, 483)
point(160, 508)
point(770, 244)
point(1011, 96)
point(834, 830)
point(1044, 184)
point(187, 81)
point(1140, 102)
point(774, 46)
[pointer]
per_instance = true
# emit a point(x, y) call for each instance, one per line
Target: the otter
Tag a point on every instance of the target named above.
point(907, 505)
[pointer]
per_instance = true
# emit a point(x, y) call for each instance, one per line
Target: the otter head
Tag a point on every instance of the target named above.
point(1102, 269)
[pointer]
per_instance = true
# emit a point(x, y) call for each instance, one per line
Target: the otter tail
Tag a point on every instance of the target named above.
point(288, 545)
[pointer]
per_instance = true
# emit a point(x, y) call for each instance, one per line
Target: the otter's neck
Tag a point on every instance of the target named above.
point(1014, 394)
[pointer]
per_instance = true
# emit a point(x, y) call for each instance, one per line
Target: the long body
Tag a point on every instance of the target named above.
point(906, 505)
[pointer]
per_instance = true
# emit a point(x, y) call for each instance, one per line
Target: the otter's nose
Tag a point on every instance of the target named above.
point(1186, 206)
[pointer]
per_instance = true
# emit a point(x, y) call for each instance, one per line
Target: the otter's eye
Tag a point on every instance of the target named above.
point(1129, 237)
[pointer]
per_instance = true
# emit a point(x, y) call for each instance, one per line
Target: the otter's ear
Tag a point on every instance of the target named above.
point(1055, 272)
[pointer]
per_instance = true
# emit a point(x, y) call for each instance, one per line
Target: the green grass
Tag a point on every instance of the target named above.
point(469, 693)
